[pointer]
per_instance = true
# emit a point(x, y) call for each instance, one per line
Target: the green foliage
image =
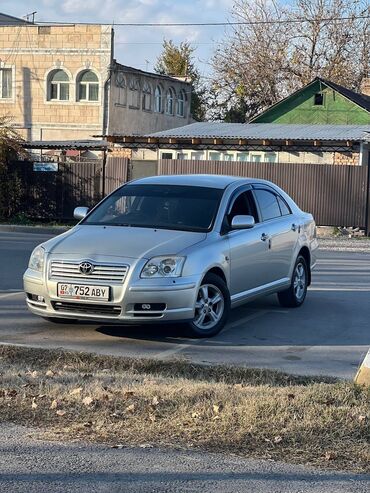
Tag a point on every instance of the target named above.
point(178, 61)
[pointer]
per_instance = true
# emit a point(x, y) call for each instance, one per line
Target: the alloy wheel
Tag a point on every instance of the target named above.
point(209, 307)
point(299, 283)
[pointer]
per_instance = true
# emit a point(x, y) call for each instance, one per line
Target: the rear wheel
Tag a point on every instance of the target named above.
point(212, 307)
point(295, 295)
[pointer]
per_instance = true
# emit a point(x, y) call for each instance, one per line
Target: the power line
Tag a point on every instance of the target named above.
point(210, 24)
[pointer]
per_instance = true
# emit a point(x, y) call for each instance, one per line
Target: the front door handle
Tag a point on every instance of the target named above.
point(264, 237)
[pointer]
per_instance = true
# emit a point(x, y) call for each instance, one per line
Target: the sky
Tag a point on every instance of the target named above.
point(138, 46)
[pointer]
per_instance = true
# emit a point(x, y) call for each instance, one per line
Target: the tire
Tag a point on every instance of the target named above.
point(295, 295)
point(56, 320)
point(210, 318)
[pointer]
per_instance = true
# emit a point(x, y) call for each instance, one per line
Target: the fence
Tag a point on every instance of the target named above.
point(335, 195)
point(53, 195)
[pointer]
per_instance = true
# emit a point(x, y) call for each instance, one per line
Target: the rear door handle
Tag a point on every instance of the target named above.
point(264, 237)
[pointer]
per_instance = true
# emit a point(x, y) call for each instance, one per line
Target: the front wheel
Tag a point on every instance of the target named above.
point(212, 307)
point(295, 295)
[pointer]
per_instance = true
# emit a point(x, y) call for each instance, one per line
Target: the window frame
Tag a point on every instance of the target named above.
point(277, 195)
point(158, 99)
point(57, 84)
point(134, 91)
point(170, 92)
point(226, 226)
point(86, 85)
point(147, 96)
point(182, 100)
point(11, 96)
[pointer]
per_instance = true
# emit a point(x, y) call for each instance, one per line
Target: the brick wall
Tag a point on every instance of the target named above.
point(345, 158)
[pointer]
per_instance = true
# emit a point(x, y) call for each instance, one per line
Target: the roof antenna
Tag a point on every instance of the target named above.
point(27, 16)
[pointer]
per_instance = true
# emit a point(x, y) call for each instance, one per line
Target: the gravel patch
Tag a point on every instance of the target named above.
point(345, 245)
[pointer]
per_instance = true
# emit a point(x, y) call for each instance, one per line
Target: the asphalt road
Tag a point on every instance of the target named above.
point(34, 466)
point(328, 335)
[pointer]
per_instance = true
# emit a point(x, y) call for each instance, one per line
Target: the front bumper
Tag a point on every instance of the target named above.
point(167, 299)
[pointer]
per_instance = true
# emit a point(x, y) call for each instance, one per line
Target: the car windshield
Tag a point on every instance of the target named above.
point(184, 208)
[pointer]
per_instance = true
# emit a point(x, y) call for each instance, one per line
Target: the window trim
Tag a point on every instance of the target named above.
point(183, 101)
point(171, 92)
point(49, 84)
point(87, 85)
point(147, 93)
point(12, 87)
point(158, 97)
point(267, 188)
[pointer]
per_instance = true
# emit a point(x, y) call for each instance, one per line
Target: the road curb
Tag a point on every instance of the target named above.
point(363, 375)
point(15, 228)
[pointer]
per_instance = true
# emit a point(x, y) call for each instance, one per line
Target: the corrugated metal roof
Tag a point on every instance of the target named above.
point(271, 131)
point(66, 144)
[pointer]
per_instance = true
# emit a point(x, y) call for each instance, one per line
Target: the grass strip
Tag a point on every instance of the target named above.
point(248, 412)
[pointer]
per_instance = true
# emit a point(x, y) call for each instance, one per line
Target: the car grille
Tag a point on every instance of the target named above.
point(88, 308)
point(102, 272)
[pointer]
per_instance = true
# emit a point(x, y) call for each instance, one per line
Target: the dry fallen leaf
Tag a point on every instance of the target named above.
point(34, 405)
point(76, 391)
point(152, 418)
point(87, 401)
point(131, 408)
point(362, 418)
point(60, 412)
point(128, 393)
point(217, 408)
point(329, 455)
point(118, 446)
point(49, 373)
point(146, 445)
point(54, 404)
point(155, 401)
point(194, 415)
point(278, 439)
point(34, 374)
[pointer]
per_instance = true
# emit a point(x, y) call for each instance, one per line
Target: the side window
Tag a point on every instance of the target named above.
point(243, 206)
point(268, 204)
point(285, 211)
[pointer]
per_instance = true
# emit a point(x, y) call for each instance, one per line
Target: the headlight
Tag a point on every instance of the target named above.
point(37, 259)
point(163, 267)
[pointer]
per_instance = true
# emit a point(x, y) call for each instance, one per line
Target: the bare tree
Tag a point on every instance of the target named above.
point(261, 62)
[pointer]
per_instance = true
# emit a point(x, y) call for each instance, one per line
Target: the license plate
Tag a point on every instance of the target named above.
point(83, 292)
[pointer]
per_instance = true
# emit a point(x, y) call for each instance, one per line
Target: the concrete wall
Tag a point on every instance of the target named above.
point(128, 118)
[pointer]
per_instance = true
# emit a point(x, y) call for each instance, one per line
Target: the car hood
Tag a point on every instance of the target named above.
point(120, 241)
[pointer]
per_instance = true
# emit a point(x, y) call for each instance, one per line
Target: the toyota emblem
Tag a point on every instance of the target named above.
point(86, 268)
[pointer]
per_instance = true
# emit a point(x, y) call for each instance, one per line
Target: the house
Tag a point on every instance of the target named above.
point(61, 82)
point(322, 123)
point(321, 102)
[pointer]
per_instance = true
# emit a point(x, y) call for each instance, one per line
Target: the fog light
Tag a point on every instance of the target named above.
point(41, 299)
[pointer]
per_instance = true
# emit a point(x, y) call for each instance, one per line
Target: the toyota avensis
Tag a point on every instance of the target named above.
point(183, 248)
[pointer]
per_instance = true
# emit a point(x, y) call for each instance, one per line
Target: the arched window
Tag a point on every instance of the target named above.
point(87, 86)
point(147, 97)
point(135, 93)
point(158, 100)
point(169, 101)
point(122, 89)
point(58, 85)
point(181, 103)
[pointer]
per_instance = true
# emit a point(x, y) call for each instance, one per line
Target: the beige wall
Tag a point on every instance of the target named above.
point(33, 51)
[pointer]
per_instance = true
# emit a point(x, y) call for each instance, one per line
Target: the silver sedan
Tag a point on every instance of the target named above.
point(183, 248)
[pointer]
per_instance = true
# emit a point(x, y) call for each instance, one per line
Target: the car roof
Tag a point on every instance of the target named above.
point(211, 181)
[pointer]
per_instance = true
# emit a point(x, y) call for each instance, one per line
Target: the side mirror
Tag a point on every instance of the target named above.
point(242, 222)
point(80, 212)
